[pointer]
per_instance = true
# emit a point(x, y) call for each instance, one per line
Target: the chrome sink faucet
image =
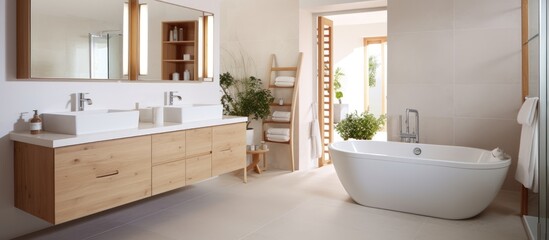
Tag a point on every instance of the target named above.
point(82, 99)
point(407, 136)
point(171, 96)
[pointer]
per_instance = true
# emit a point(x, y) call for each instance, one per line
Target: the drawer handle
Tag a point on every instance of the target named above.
point(108, 174)
point(226, 150)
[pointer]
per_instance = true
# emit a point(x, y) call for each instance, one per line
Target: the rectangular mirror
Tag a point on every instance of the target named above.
point(112, 40)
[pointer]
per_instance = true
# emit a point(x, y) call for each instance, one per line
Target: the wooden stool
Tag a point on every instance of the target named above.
point(255, 160)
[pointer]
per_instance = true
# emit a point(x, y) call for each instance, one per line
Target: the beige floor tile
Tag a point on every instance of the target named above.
point(281, 205)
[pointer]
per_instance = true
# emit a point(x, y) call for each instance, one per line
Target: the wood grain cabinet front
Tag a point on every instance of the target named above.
point(168, 159)
point(229, 148)
point(199, 155)
point(86, 178)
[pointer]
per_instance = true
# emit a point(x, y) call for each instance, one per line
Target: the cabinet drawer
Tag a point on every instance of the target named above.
point(168, 176)
point(198, 168)
point(229, 148)
point(92, 177)
point(168, 147)
point(199, 142)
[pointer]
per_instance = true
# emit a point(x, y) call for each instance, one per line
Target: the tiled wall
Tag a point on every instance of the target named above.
point(459, 63)
point(254, 30)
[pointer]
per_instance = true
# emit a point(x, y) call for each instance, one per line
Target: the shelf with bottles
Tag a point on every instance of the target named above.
point(179, 49)
point(169, 68)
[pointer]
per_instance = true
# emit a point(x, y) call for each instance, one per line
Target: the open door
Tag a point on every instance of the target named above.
point(325, 85)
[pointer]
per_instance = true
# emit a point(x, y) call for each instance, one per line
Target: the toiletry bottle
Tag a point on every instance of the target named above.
point(35, 123)
point(180, 35)
point(186, 75)
point(175, 76)
point(175, 33)
point(280, 101)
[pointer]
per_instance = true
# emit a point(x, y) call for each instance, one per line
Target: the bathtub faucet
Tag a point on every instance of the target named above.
point(407, 136)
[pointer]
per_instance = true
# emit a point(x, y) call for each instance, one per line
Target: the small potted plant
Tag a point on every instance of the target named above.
point(340, 109)
point(245, 97)
point(359, 126)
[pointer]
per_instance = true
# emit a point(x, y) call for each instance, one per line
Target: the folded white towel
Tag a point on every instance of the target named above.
point(278, 131)
point(526, 112)
point(284, 84)
point(278, 138)
point(281, 114)
point(280, 119)
point(285, 79)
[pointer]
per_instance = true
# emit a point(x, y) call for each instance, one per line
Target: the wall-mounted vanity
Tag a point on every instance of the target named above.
point(112, 39)
point(61, 177)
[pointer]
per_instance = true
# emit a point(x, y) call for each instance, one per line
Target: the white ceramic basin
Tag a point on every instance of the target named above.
point(192, 112)
point(92, 121)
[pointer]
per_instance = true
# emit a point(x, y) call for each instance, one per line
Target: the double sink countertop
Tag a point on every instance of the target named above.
point(55, 140)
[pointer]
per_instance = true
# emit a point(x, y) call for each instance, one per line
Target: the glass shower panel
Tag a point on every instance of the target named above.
point(106, 56)
point(543, 166)
point(115, 49)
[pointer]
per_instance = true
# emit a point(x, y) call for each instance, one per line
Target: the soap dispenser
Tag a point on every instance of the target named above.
point(35, 123)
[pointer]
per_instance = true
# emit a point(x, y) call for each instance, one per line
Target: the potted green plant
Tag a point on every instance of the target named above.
point(359, 126)
point(340, 109)
point(245, 97)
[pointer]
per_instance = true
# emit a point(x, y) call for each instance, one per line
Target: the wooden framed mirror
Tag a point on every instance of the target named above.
point(111, 40)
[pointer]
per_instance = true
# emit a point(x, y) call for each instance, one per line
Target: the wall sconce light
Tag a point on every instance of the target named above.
point(125, 39)
point(143, 39)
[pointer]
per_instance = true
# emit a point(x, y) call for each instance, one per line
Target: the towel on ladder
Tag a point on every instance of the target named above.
point(528, 152)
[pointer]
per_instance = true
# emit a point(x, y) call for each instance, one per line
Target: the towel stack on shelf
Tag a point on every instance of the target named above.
point(280, 116)
point(278, 134)
point(284, 81)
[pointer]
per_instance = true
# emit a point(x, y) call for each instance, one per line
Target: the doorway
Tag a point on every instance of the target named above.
point(359, 63)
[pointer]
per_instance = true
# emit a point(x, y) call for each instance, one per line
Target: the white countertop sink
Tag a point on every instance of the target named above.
point(192, 112)
point(93, 121)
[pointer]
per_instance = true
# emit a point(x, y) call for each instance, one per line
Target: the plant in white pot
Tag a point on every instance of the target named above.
point(340, 109)
point(245, 97)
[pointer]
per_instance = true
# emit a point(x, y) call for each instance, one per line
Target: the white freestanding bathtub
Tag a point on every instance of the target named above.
point(441, 181)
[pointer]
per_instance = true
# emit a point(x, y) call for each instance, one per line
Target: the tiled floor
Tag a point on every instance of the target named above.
point(281, 205)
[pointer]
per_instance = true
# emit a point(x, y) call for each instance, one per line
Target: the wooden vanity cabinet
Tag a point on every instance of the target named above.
point(61, 184)
point(66, 183)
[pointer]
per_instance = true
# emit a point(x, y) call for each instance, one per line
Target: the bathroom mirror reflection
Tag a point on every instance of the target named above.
point(76, 39)
point(71, 39)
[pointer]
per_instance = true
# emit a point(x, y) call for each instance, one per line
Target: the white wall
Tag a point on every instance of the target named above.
point(254, 30)
point(23, 96)
point(459, 64)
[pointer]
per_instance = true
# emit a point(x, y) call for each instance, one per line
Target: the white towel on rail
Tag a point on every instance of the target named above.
point(527, 111)
point(316, 144)
point(278, 138)
point(528, 152)
point(278, 131)
point(285, 79)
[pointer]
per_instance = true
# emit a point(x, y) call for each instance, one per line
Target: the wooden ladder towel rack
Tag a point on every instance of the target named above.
point(274, 71)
